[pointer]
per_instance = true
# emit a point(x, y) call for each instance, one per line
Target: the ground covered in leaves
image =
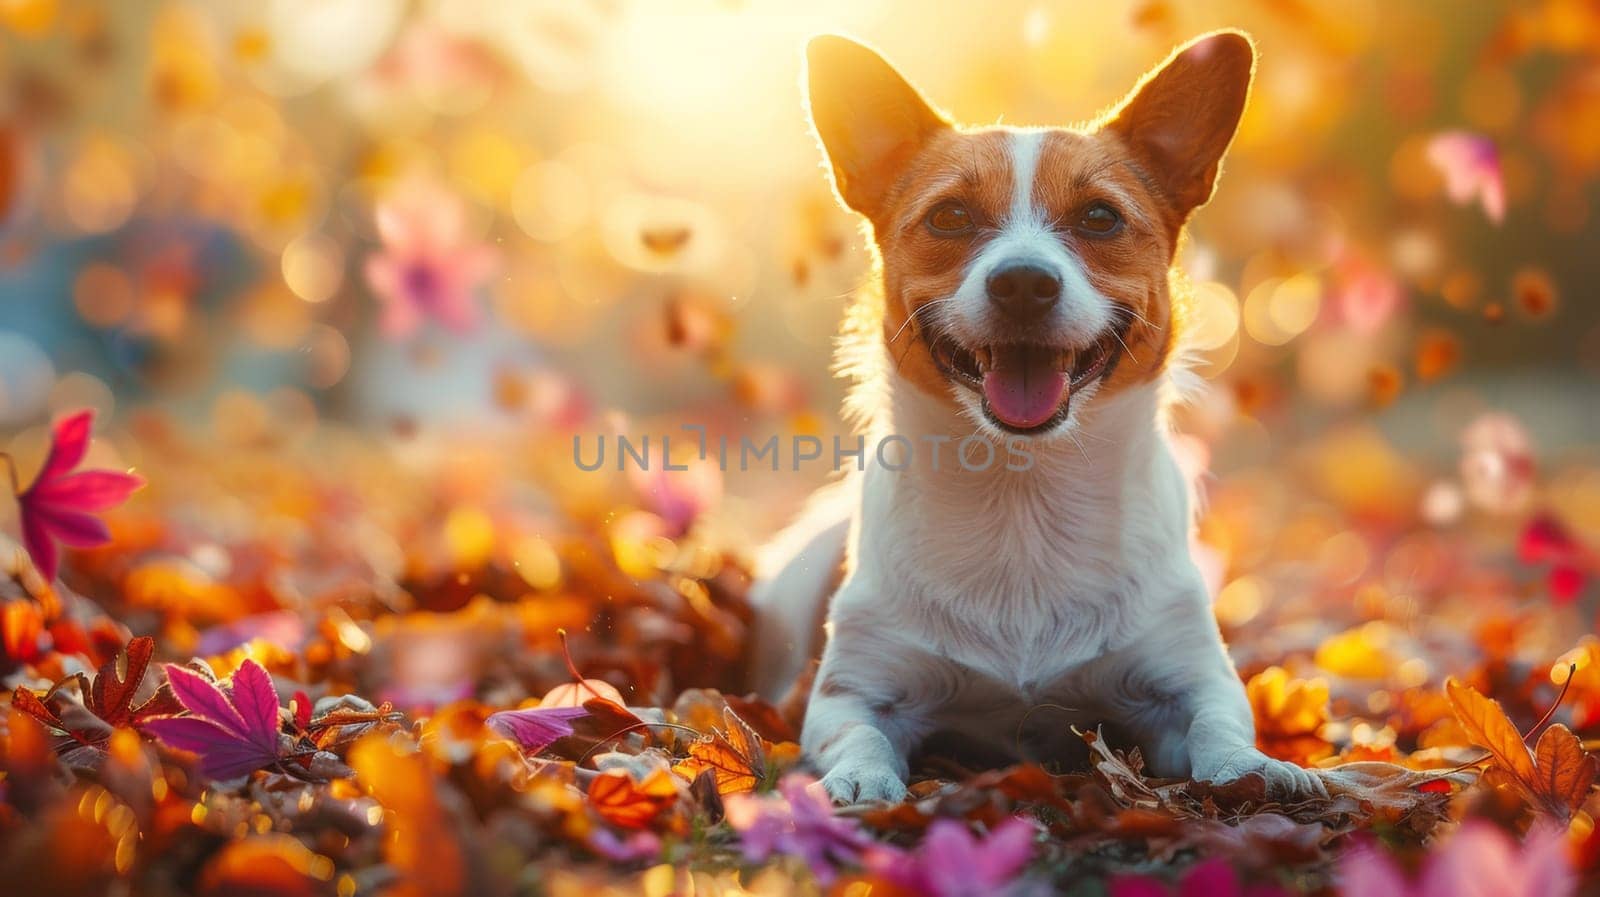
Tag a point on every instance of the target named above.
point(289, 675)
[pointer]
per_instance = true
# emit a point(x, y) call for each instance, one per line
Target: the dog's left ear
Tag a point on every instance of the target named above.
point(1181, 117)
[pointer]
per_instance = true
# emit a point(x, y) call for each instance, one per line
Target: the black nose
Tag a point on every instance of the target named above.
point(1023, 290)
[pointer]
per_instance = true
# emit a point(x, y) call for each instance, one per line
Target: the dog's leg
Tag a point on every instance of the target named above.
point(860, 726)
point(1184, 702)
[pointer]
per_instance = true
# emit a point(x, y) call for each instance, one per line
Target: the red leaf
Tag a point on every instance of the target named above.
point(111, 695)
point(1566, 583)
point(1545, 539)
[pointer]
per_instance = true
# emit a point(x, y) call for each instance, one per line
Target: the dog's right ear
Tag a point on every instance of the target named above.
point(870, 119)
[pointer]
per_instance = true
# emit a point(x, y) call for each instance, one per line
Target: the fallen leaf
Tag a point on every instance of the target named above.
point(1489, 728)
point(734, 753)
point(1566, 772)
point(234, 727)
point(624, 802)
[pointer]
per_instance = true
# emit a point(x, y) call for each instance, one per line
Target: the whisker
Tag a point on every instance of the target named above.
point(1118, 335)
point(913, 316)
point(1123, 309)
point(1074, 437)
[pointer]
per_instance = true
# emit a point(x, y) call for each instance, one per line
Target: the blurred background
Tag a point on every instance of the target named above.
point(412, 247)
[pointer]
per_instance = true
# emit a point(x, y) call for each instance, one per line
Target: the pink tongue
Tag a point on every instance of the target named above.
point(1024, 388)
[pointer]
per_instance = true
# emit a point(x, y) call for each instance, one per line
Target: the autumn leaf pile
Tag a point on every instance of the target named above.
point(199, 712)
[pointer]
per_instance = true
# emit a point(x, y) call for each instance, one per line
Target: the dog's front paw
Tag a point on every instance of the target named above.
point(1283, 779)
point(859, 782)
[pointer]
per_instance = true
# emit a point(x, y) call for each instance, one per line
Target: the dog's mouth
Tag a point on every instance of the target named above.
point(1027, 388)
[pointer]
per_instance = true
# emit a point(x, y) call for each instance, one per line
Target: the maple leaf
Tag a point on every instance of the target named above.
point(109, 698)
point(58, 505)
point(1557, 776)
point(735, 754)
point(233, 726)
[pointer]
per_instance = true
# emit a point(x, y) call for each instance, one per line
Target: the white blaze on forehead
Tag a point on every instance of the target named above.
point(1026, 147)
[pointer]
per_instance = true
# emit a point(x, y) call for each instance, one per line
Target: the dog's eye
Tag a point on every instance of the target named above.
point(949, 219)
point(1100, 220)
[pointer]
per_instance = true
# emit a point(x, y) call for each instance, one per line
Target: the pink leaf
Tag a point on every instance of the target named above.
point(202, 698)
point(233, 728)
point(69, 442)
point(257, 701)
point(537, 727)
point(222, 755)
point(55, 507)
point(91, 490)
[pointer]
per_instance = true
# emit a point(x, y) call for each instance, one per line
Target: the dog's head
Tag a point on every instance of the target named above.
point(1025, 270)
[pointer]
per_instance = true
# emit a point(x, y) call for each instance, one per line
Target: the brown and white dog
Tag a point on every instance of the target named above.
point(1021, 293)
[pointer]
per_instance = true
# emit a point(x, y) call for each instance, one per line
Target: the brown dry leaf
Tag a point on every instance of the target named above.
point(1487, 725)
point(1566, 772)
point(735, 753)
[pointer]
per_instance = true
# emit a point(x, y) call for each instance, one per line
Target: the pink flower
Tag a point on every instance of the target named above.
point(798, 822)
point(429, 268)
point(1479, 861)
point(1211, 878)
point(59, 504)
point(1470, 164)
point(953, 862)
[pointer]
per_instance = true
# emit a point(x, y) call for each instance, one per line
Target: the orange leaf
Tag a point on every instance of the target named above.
point(1566, 771)
point(623, 802)
point(735, 755)
point(1488, 727)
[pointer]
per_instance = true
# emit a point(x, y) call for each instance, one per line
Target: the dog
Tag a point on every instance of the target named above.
point(1023, 297)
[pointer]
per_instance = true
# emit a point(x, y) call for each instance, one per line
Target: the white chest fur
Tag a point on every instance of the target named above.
point(1024, 575)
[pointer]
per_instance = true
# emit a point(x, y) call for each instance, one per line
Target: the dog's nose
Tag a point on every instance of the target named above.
point(1023, 290)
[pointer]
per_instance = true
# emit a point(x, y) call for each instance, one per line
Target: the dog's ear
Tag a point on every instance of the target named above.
point(1181, 117)
point(870, 119)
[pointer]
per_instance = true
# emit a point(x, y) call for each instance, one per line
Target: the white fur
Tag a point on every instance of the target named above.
point(1008, 606)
